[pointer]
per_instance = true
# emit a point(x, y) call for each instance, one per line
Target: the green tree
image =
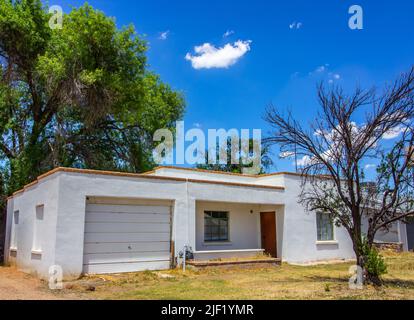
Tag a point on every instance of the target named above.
point(77, 96)
point(265, 158)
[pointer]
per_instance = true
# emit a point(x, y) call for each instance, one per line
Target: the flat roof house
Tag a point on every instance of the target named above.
point(89, 221)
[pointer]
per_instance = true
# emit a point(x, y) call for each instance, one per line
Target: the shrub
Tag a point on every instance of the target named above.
point(374, 263)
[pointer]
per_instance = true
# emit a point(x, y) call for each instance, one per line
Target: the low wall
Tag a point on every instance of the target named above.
point(226, 254)
point(391, 246)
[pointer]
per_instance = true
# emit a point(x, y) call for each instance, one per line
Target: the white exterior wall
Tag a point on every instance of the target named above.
point(44, 193)
point(76, 187)
point(64, 195)
point(244, 227)
point(300, 232)
point(203, 175)
point(402, 235)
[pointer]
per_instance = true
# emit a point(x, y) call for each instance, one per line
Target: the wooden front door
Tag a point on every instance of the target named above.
point(268, 231)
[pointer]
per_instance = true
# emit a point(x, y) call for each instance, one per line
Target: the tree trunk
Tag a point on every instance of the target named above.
point(361, 258)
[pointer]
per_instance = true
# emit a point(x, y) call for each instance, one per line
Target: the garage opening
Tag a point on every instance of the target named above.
point(127, 235)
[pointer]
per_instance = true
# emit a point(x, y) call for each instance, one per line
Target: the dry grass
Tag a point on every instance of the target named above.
point(258, 256)
point(329, 281)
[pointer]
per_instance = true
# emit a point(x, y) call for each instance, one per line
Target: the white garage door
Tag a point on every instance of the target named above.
point(126, 238)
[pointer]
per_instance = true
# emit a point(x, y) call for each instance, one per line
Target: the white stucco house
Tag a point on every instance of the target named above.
point(89, 221)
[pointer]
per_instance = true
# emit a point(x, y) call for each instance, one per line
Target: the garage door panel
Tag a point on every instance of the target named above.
point(126, 247)
point(98, 227)
point(126, 257)
point(127, 217)
point(126, 208)
point(125, 237)
point(126, 267)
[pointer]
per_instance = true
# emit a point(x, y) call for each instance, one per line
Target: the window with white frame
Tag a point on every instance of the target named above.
point(15, 223)
point(37, 245)
point(216, 226)
point(325, 227)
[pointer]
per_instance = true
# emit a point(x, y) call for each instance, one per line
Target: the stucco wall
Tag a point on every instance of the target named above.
point(72, 201)
point(203, 175)
point(44, 193)
point(390, 235)
point(300, 232)
point(244, 227)
point(64, 195)
point(300, 243)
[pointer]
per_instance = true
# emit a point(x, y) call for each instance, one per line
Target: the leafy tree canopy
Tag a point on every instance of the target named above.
point(77, 96)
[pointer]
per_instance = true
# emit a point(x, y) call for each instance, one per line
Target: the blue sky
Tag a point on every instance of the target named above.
point(294, 44)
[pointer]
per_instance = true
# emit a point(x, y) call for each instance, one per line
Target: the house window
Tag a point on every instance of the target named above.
point(15, 222)
point(37, 232)
point(325, 227)
point(216, 226)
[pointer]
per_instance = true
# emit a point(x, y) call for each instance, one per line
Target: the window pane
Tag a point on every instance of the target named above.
point(324, 227)
point(216, 226)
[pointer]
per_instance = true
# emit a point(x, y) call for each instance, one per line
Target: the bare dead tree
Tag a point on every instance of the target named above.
point(348, 131)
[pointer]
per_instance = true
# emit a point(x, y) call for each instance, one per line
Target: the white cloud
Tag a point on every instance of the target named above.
point(286, 154)
point(295, 25)
point(197, 125)
point(305, 161)
point(333, 140)
point(333, 77)
point(393, 133)
point(228, 33)
point(323, 70)
point(320, 69)
point(208, 56)
point(164, 35)
point(369, 166)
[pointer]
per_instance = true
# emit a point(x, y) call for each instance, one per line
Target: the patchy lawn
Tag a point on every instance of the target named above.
point(328, 281)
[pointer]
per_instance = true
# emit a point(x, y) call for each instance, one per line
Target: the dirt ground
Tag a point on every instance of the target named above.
point(328, 281)
point(16, 285)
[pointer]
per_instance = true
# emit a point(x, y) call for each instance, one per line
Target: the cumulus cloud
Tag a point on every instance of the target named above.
point(164, 35)
point(208, 56)
point(286, 154)
point(393, 133)
point(304, 161)
point(228, 33)
point(333, 142)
